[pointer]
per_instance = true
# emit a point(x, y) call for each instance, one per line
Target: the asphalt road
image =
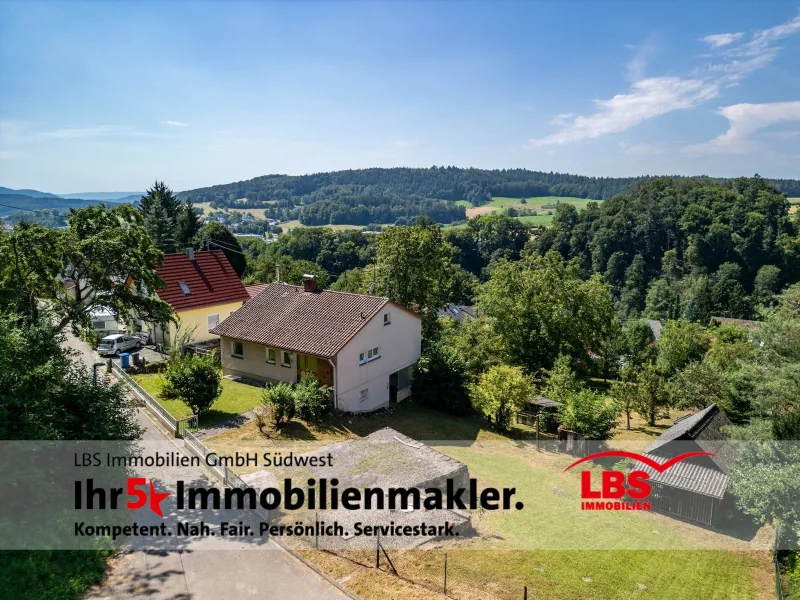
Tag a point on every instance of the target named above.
point(202, 568)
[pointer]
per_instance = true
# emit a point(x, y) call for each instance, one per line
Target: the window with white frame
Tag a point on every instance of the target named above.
point(213, 321)
point(363, 395)
point(387, 318)
point(369, 355)
point(286, 360)
point(237, 350)
point(271, 356)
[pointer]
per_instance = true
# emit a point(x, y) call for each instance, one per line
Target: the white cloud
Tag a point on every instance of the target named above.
point(637, 65)
point(721, 39)
point(742, 59)
point(655, 96)
point(744, 120)
point(647, 99)
point(177, 124)
point(562, 119)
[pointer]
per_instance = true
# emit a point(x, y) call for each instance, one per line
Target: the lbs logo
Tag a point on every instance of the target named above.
point(616, 486)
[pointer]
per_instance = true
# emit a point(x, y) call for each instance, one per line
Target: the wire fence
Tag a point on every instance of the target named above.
point(456, 574)
point(776, 558)
point(178, 426)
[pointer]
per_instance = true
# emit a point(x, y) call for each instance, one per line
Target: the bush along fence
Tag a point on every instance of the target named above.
point(179, 427)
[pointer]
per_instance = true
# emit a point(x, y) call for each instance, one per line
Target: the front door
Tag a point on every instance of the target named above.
point(393, 388)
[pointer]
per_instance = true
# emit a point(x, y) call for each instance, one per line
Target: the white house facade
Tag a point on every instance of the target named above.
point(364, 347)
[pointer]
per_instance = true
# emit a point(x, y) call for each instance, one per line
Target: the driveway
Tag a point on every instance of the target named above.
point(204, 568)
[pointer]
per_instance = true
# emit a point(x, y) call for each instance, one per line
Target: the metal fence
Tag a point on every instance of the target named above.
point(454, 574)
point(226, 474)
point(179, 426)
point(776, 558)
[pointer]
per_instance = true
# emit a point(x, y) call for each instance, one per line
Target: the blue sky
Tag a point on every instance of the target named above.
point(110, 96)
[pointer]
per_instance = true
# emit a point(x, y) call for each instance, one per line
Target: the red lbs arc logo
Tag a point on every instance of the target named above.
point(615, 485)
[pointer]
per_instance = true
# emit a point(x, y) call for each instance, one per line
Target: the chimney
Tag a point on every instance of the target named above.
point(190, 253)
point(309, 283)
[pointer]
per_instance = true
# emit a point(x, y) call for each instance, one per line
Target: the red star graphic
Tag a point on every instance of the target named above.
point(156, 499)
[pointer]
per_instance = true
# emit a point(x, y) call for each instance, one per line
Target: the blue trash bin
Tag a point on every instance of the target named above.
point(124, 360)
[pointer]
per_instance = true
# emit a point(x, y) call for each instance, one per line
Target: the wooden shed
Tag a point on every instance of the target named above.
point(695, 489)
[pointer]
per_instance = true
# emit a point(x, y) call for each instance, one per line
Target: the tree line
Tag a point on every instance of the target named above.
point(361, 196)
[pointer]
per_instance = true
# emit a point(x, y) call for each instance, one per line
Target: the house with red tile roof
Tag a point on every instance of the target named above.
point(202, 288)
point(364, 347)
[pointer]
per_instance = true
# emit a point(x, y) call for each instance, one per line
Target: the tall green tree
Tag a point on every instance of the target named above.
point(540, 307)
point(104, 260)
point(187, 225)
point(161, 210)
point(501, 392)
point(215, 236)
point(413, 268)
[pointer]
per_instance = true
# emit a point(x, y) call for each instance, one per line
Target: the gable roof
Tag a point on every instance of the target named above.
point(253, 290)
point(705, 429)
point(688, 475)
point(209, 279)
point(285, 316)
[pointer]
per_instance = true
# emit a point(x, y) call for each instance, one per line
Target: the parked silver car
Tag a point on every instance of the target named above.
point(118, 342)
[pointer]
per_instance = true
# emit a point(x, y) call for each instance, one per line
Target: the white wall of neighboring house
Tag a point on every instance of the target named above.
point(400, 346)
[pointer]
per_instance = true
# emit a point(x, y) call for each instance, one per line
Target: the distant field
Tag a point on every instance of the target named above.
point(499, 204)
point(293, 224)
point(256, 213)
point(795, 205)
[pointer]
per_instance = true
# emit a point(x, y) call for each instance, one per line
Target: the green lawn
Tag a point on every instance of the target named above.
point(551, 546)
point(236, 398)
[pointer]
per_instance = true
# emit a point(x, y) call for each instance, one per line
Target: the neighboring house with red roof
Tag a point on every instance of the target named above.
point(202, 289)
point(364, 347)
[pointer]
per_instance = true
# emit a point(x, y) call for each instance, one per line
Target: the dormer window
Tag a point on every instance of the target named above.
point(184, 288)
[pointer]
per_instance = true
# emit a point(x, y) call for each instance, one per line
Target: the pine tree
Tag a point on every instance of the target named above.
point(187, 225)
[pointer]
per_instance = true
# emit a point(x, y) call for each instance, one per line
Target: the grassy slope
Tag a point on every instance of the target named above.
point(550, 520)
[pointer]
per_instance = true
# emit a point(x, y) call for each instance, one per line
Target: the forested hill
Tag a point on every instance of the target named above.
point(365, 196)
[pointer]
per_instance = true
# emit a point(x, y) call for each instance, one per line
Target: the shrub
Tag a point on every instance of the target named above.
point(279, 398)
point(500, 392)
point(195, 380)
point(589, 413)
point(311, 399)
point(440, 380)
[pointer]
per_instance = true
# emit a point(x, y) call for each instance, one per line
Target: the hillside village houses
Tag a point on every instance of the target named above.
point(364, 347)
point(202, 289)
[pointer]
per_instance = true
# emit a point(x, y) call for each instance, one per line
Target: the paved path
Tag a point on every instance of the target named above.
point(202, 568)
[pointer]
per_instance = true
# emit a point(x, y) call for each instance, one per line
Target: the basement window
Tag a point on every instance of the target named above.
point(185, 288)
point(363, 395)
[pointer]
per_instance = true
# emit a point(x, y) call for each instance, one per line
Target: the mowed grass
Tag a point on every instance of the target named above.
point(551, 546)
point(795, 205)
point(236, 398)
